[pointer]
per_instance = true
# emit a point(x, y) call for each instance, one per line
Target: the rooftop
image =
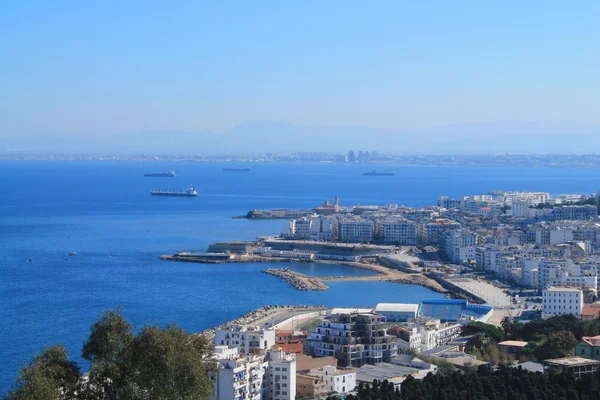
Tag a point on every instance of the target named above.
point(397, 307)
point(513, 343)
point(571, 362)
point(562, 289)
point(383, 371)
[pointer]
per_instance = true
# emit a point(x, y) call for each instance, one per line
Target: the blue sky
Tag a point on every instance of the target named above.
point(106, 67)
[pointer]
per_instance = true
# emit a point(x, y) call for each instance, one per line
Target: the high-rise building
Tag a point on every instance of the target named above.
point(351, 156)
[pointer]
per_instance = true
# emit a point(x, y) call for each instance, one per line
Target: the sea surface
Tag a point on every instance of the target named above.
point(103, 211)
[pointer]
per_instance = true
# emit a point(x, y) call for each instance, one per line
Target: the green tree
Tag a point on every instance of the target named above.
point(109, 350)
point(557, 345)
point(170, 364)
point(49, 376)
point(487, 330)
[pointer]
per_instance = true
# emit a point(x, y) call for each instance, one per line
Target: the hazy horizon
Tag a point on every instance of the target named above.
point(312, 76)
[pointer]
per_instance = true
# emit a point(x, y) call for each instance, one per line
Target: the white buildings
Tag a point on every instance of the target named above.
point(429, 232)
point(340, 381)
point(280, 376)
point(268, 376)
point(400, 231)
point(395, 312)
point(313, 227)
point(239, 377)
point(522, 209)
point(247, 339)
point(562, 301)
point(458, 245)
point(422, 336)
point(356, 230)
point(552, 236)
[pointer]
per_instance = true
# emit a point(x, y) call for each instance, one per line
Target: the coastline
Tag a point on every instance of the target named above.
point(305, 282)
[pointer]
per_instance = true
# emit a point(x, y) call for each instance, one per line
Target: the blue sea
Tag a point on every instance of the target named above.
point(103, 211)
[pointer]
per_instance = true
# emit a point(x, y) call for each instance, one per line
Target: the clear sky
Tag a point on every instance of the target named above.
point(105, 67)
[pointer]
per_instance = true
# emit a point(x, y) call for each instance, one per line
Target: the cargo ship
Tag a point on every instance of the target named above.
point(246, 169)
point(170, 174)
point(189, 192)
point(384, 173)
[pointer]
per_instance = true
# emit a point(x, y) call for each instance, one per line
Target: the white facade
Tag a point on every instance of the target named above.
point(281, 376)
point(340, 381)
point(562, 301)
point(269, 376)
point(354, 231)
point(309, 228)
point(240, 378)
point(552, 236)
point(403, 232)
point(429, 232)
point(396, 312)
point(521, 209)
point(419, 336)
point(247, 339)
point(458, 245)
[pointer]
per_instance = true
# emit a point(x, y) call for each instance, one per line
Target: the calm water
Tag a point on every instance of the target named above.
point(103, 212)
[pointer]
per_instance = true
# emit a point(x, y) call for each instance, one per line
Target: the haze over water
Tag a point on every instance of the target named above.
point(103, 211)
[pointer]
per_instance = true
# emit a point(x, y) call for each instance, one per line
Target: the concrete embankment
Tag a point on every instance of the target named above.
point(457, 292)
point(297, 280)
point(258, 316)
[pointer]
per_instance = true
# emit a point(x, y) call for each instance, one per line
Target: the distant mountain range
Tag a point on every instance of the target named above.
point(284, 137)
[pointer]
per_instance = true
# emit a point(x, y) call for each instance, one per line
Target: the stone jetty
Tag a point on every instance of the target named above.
point(297, 280)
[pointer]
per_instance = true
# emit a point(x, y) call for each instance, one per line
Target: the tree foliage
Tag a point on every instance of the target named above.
point(49, 376)
point(488, 331)
point(557, 345)
point(502, 384)
point(154, 364)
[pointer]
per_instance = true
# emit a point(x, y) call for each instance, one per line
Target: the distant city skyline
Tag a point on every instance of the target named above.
point(93, 70)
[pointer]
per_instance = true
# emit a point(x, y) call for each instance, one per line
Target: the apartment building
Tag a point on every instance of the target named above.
point(280, 376)
point(458, 246)
point(247, 339)
point(399, 231)
point(309, 228)
point(429, 232)
point(356, 230)
point(424, 335)
point(338, 380)
point(562, 301)
point(239, 377)
point(354, 339)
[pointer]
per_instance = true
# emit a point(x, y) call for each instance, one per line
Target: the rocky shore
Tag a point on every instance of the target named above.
point(297, 280)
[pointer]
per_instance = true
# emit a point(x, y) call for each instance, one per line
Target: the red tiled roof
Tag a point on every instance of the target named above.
point(591, 340)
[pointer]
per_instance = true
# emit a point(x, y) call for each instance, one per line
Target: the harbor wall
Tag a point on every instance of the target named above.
point(452, 288)
point(396, 264)
point(301, 317)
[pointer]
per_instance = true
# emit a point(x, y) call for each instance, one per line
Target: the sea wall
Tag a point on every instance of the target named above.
point(456, 292)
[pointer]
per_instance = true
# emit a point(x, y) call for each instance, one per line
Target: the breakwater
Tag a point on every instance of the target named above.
point(296, 280)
